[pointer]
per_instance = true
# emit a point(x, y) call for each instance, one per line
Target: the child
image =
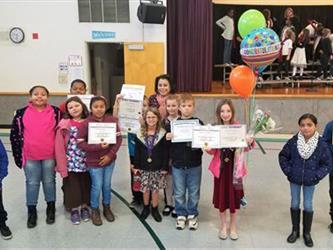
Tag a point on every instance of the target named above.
point(327, 136)
point(151, 159)
point(186, 171)
point(71, 161)
point(325, 52)
point(286, 48)
point(78, 87)
point(100, 160)
point(172, 107)
point(163, 87)
point(137, 198)
point(299, 57)
point(228, 191)
point(305, 160)
point(4, 230)
point(32, 138)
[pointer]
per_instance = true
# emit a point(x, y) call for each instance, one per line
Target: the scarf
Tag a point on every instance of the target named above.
point(306, 149)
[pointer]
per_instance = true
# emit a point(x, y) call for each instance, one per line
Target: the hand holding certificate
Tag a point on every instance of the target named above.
point(182, 130)
point(100, 132)
point(206, 137)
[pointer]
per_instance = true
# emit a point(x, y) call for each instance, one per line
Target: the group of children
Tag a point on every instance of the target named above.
point(45, 140)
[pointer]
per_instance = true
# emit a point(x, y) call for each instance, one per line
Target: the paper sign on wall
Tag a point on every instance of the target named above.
point(63, 73)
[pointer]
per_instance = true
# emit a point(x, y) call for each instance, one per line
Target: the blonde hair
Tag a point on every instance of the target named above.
point(186, 97)
point(144, 126)
point(172, 97)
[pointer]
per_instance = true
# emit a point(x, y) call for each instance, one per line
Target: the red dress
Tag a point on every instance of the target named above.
point(226, 196)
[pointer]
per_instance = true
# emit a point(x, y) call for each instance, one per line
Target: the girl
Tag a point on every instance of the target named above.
point(305, 160)
point(78, 87)
point(151, 159)
point(100, 160)
point(286, 48)
point(71, 161)
point(228, 191)
point(32, 138)
point(163, 87)
point(172, 108)
point(299, 57)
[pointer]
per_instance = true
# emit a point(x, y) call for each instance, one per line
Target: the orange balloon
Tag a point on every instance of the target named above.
point(242, 80)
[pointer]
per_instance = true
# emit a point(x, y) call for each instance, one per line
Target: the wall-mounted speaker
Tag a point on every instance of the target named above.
point(151, 13)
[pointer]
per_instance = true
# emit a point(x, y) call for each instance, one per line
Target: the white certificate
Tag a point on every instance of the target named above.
point(206, 136)
point(84, 98)
point(182, 130)
point(233, 136)
point(133, 92)
point(130, 109)
point(129, 125)
point(102, 132)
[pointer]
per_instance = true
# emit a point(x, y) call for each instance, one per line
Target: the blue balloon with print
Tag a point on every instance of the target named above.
point(260, 48)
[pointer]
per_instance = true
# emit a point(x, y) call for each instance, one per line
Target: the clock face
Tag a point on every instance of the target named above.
point(16, 35)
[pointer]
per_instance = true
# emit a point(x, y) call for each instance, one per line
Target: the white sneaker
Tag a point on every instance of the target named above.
point(277, 78)
point(192, 222)
point(260, 79)
point(181, 222)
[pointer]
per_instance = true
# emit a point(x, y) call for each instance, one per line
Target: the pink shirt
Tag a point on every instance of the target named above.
point(39, 133)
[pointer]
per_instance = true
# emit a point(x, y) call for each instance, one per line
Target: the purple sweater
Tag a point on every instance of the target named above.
point(95, 151)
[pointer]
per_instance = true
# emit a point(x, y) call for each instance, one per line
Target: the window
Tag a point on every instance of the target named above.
point(107, 11)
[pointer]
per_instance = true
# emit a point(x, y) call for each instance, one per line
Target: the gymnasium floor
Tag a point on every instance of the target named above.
point(263, 224)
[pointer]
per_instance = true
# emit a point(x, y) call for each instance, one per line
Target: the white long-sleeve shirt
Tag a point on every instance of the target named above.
point(227, 24)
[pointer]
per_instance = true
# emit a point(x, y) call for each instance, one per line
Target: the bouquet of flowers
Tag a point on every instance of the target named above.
point(262, 122)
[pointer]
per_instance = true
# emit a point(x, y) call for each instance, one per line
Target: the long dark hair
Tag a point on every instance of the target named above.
point(165, 77)
point(308, 116)
point(84, 113)
point(98, 98)
point(218, 111)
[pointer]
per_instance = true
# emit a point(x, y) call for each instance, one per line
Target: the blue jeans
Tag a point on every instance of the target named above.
point(100, 181)
point(227, 51)
point(308, 191)
point(186, 179)
point(36, 172)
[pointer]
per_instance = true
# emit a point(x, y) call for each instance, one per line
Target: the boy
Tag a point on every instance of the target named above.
point(172, 108)
point(186, 171)
point(328, 138)
point(5, 231)
point(78, 87)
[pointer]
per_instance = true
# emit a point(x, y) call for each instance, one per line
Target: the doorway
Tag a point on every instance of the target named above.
point(106, 69)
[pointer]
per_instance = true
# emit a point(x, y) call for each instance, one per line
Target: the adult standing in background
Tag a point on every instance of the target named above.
point(227, 25)
point(289, 14)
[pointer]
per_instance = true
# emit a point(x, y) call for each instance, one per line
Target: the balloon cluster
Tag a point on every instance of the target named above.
point(259, 48)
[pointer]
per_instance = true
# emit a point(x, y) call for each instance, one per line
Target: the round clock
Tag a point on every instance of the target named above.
point(16, 35)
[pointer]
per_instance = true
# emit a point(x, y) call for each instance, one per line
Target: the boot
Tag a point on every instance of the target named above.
point(108, 213)
point(295, 220)
point(155, 213)
point(307, 222)
point(50, 212)
point(32, 217)
point(145, 212)
point(96, 217)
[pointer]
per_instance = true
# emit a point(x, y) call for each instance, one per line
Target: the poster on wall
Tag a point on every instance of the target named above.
point(63, 73)
point(75, 60)
point(75, 69)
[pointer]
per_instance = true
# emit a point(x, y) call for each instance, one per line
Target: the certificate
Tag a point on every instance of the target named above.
point(102, 132)
point(206, 136)
point(233, 136)
point(133, 92)
point(129, 125)
point(130, 109)
point(84, 98)
point(182, 130)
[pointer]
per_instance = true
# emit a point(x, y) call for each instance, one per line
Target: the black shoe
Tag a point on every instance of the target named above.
point(145, 212)
point(156, 214)
point(307, 223)
point(167, 210)
point(331, 227)
point(134, 203)
point(6, 234)
point(32, 217)
point(295, 220)
point(174, 214)
point(50, 212)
